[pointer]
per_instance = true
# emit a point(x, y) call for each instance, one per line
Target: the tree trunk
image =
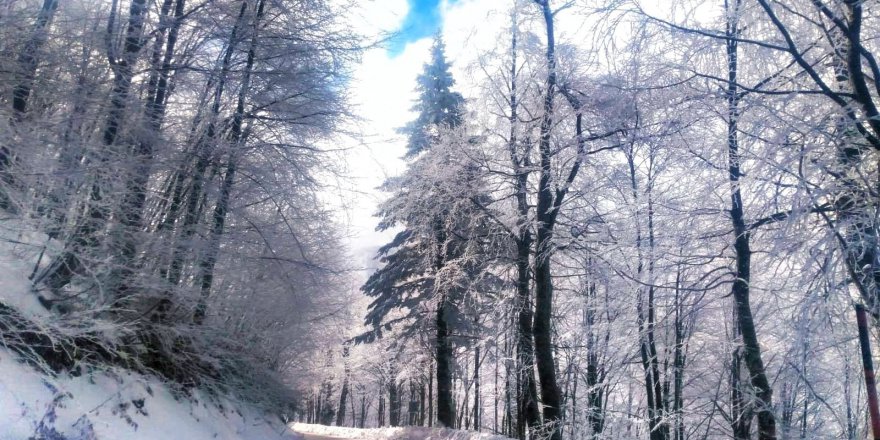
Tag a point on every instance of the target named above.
point(678, 361)
point(550, 393)
point(236, 139)
point(60, 272)
point(740, 290)
point(202, 153)
point(431, 396)
point(343, 393)
point(595, 395)
point(528, 413)
point(393, 403)
point(28, 59)
point(445, 403)
point(477, 422)
point(131, 210)
point(380, 410)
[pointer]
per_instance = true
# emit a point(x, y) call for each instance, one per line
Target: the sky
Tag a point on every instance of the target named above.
point(423, 18)
point(383, 91)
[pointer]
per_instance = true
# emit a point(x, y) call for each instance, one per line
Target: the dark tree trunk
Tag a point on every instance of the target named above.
point(393, 403)
point(477, 409)
point(131, 210)
point(678, 362)
point(363, 419)
point(413, 405)
point(497, 395)
point(422, 419)
point(28, 59)
point(868, 366)
point(380, 410)
point(431, 396)
point(595, 392)
point(528, 413)
point(203, 152)
point(69, 263)
point(326, 406)
point(236, 138)
point(550, 197)
point(445, 403)
point(343, 393)
point(656, 398)
point(445, 408)
point(740, 290)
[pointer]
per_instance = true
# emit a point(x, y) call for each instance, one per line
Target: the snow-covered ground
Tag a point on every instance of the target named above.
point(118, 405)
point(321, 432)
point(102, 405)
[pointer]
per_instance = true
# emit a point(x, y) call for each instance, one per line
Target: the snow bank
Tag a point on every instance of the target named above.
point(401, 433)
point(103, 405)
point(117, 405)
point(20, 249)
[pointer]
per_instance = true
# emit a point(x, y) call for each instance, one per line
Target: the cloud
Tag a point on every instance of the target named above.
point(375, 17)
point(383, 91)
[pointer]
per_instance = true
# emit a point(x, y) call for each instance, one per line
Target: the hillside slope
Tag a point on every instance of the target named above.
point(102, 403)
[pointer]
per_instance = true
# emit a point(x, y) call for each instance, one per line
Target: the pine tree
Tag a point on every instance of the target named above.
point(430, 265)
point(437, 106)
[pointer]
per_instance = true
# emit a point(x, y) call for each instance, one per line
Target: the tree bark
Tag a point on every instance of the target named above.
point(551, 398)
point(743, 253)
point(131, 209)
point(343, 393)
point(236, 139)
point(202, 152)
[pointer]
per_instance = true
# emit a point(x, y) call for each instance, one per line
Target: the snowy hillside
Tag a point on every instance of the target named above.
point(106, 403)
point(117, 405)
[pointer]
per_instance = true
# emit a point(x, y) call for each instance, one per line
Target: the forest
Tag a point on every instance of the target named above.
point(607, 219)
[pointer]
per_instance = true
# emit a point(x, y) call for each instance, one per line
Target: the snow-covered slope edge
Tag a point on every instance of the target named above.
point(115, 405)
point(104, 403)
point(401, 433)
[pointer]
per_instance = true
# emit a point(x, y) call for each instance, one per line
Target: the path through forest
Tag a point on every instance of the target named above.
point(318, 437)
point(321, 432)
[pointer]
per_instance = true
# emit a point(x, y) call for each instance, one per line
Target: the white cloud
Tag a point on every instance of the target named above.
point(471, 28)
point(377, 16)
point(383, 91)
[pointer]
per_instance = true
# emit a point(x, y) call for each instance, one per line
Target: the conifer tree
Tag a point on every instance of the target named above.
point(438, 106)
point(418, 278)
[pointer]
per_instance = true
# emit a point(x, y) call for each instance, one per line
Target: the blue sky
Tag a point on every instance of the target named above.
point(422, 20)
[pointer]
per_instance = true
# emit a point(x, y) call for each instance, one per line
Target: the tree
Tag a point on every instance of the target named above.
point(418, 255)
point(438, 106)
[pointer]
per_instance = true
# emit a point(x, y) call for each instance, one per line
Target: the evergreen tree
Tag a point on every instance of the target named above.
point(437, 106)
point(432, 265)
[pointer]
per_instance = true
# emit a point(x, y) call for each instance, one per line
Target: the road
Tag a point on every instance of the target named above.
point(317, 437)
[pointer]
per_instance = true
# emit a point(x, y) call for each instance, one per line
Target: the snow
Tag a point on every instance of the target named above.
point(321, 432)
point(20, 248)
point(104, 404)
point(118, 405)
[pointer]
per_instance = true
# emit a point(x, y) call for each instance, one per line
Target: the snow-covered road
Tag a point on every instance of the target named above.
point(317, 437)
point(320, 432)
